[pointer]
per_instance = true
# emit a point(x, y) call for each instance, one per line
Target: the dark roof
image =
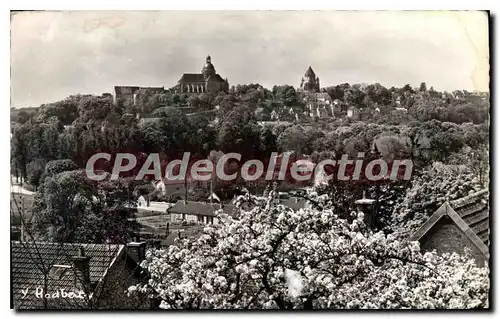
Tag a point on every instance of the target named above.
point(474, 210)
point(310, 72)
point(200, 208)
point(216, 77)
point(33, 261)
point(126, 89)
point(191, 78)
point(470, 214)
point(187, 78)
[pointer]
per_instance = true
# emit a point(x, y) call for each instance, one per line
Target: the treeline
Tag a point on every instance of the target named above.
point(82, 125)
point(50, 145)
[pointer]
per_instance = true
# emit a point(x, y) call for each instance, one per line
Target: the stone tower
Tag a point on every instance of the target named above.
point(310, 82)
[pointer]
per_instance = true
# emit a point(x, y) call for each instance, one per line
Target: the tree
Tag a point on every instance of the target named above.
point(19, 151)
point(285, 94)
point(293, 139)
point(194, 101)
point(267, 141)
point(35, 171)
point(72, 208)
point(423, 87)
point(23, 117)
point(275, 258)
point(437, 184)
point(58, 166)
point(238, 132)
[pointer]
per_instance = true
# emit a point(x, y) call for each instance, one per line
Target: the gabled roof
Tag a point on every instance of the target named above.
point(191, 77)
point(32, 262)
point(200, 208)
point(470, 214)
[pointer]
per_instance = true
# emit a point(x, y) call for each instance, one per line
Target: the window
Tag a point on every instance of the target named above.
point(58, 271)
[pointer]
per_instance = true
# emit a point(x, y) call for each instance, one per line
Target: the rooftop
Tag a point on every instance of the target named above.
point(33, 262)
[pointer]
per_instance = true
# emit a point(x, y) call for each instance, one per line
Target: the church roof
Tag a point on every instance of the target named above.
point(191, 77)
point(470, 214)
point(188, 78)
point(310, 72)
point(216, 77)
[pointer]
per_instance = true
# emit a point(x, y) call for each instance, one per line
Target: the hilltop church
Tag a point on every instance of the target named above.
point(208, 81)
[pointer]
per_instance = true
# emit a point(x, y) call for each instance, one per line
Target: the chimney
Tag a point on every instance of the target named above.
point(82, 266)
point(367, 207)
point(137, 250)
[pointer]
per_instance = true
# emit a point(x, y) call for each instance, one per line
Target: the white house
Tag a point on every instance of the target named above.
point(198, 212)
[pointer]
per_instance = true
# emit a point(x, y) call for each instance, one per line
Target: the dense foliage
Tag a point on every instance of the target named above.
point(437, 126)
point(275, 258)
point(71, 208)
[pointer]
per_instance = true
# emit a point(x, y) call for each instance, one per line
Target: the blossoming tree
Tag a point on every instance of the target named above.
point(272, 257)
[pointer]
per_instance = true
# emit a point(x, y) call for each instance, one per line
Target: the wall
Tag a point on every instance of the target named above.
point(446, 237)
point(111, 294)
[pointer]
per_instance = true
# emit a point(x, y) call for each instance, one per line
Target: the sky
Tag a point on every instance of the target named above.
point(55, 54)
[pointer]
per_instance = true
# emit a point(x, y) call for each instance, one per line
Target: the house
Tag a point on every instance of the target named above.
point(144, 204)
point(146, 120)
point(172, 188)
point(198, 212)
point(274, 115)
point(48, 275)
point(351, 111)
point(323, 99)
point(458, 224)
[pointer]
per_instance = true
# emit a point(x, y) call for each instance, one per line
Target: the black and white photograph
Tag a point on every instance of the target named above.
point(250, 160)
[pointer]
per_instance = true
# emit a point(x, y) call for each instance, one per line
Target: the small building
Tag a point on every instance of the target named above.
point(351, 111)
point(274, 115)
point(172, 188)
point(199, 212)
point(458, 224)
point(76, 276)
